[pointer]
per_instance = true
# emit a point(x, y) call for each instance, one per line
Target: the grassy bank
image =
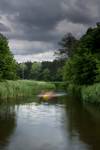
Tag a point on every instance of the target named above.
point(91, 93)
point(22, 88)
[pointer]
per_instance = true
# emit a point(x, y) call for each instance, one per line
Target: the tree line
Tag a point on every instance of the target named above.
point(45, 71)
point(11, 70)
point(82, 65)
point(78, 61)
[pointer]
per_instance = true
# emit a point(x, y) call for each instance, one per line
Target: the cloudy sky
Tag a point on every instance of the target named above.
point(34, 27)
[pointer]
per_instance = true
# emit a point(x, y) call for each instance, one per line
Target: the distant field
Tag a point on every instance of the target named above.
point(22, 88)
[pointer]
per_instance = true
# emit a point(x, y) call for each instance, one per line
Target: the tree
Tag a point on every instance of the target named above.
point(46, 74)
point(59, 74)
point(91, 40)
point(23, 69)
point(7, 62)
point(28, 70)
point(35, 71)
point(81, 69)
point(54, 69)
point(67, 44)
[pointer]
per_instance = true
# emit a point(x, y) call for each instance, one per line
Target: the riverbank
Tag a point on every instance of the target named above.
point(22, 88)
point(87, 94)
point(91, 93)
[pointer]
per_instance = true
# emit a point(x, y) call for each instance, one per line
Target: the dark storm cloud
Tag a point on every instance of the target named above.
point(83, 12)
point(3, 28)
point(37, 20)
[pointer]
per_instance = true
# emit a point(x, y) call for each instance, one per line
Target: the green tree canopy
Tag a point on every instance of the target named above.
point(83, 67)
point(67, 45)
point(7, 62)
point(46, 74)
point(35, 70)
point(81, 70)
point(91, 40)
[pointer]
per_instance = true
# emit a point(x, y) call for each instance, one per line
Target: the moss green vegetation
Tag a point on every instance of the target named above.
point(22, 88)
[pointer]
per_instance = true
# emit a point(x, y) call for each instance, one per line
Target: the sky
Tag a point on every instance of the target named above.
point(34, 27)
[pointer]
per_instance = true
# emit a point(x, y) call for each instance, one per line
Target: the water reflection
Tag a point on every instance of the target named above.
point(7, 124)
point(82, 124)
point(62, 123)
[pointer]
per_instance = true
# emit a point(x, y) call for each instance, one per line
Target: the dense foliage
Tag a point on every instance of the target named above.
point(45, 71)
point(83, 66)
point(7, 63)
point(67, 46)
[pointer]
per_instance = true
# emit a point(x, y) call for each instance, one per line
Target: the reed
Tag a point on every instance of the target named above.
point(22, 88)
point(91, 93)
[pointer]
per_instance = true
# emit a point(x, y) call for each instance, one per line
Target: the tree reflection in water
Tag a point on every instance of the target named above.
point(7, 124)
point(82, 123)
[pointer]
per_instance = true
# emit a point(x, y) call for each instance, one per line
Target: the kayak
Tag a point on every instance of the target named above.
point(50, 95)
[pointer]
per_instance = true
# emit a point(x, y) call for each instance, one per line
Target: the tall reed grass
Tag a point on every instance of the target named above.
point(91, 93)
point(22, 88)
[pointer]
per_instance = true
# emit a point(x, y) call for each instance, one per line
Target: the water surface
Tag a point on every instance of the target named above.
point(63, 125)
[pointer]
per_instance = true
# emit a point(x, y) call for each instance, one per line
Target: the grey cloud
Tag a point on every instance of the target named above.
point(36, 20)
point(3, 28)
point(83, 12)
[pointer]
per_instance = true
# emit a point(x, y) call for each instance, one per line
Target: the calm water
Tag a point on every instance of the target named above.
point(45, 126)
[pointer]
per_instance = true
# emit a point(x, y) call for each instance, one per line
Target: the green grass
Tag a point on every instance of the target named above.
point(91, 93)
point(22, 88)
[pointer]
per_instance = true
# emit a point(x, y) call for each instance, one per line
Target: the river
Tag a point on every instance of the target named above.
point(63, 124)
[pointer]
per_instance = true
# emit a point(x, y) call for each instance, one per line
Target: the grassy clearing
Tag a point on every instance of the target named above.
point(22, 88)
point(91, 93)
